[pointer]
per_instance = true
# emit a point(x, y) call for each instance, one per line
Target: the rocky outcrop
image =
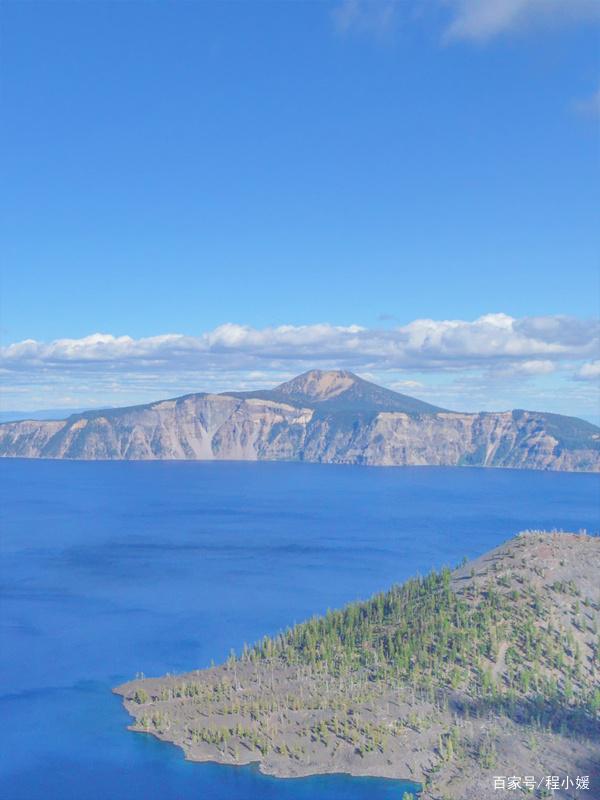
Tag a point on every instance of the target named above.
point(332, 417)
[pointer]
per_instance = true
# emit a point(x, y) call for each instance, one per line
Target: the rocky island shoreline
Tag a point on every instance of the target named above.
point(451, 681)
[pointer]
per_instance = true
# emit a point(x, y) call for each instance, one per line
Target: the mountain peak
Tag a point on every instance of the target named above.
point(340, 390)
point(319, 384)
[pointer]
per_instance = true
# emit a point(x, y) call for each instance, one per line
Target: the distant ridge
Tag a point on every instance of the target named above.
point(321, 416)
point(39, 413)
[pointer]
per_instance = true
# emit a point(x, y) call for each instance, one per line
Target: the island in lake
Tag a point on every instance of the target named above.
point(450, 680)
point(326, 417)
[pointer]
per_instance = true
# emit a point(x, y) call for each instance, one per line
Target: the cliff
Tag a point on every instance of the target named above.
point(332, 417)
point(448, 680)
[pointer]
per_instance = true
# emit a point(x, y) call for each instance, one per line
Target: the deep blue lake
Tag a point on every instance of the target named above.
point(109, 569)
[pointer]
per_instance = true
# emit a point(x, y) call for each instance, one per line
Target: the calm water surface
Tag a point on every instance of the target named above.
point(109, 569)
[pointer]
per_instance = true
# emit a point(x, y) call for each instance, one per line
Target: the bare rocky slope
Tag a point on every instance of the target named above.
point(452, 680)
point(332, 417)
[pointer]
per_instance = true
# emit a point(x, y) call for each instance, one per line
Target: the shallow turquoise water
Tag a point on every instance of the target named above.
point(113, 568)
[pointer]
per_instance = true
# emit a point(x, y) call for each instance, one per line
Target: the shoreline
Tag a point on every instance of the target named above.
point(196, 461)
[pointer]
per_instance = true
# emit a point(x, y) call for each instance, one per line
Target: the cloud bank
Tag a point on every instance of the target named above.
point(534, 344)
point(493, 362)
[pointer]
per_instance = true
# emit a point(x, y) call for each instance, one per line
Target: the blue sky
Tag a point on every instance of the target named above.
point(170, 168)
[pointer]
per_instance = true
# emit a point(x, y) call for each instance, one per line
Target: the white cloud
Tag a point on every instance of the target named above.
point(531, 344)
point(480, 20)
point(535, 367)
point(589, 371)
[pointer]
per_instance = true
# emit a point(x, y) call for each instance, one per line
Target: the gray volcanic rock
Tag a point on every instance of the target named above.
point(328, 417)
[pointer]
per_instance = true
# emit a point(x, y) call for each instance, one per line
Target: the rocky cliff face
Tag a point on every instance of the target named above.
point(331, 417)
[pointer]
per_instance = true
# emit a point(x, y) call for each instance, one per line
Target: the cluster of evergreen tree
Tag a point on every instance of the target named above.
point(425, 634)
